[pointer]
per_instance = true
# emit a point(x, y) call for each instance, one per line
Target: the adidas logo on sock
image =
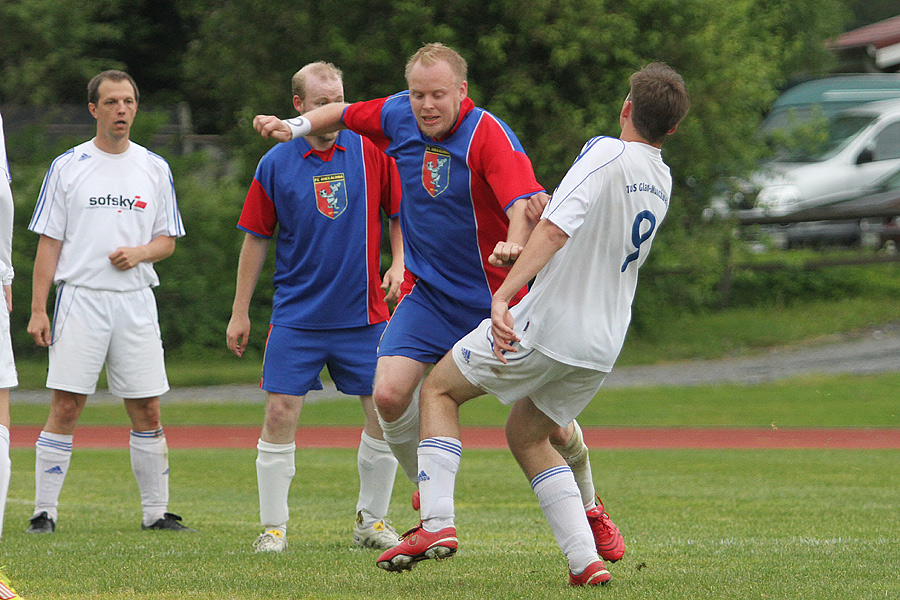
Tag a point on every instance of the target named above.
point(423, 476)
point(54, 470)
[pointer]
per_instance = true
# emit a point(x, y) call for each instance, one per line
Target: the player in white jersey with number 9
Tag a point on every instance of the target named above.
point(549, 354)
point(106, 213)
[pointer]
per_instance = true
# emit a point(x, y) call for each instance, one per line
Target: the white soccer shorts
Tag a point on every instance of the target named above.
point(119, 329)
point(8, 375)
point(559, 390)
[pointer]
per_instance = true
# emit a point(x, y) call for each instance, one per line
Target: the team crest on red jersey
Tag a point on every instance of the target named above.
point(331, 194)
point(436, 170)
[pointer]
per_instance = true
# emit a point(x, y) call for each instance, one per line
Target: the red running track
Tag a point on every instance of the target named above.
point(492, 437)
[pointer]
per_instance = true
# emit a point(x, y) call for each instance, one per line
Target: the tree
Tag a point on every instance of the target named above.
point(49, 50)
point(555, 70)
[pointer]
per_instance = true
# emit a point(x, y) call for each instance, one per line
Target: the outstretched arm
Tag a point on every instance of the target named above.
point(324, 119)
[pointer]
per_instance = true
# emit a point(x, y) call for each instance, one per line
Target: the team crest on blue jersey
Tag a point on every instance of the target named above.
point(331, 194)
point(436, 170)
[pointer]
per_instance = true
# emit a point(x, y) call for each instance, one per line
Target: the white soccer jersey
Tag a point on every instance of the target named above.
point(96, 202)
point(4, 160)
point(6, 215)
point(610, 203)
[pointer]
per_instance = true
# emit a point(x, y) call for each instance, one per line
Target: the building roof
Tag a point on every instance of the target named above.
point(881, 34)
point(881, 41)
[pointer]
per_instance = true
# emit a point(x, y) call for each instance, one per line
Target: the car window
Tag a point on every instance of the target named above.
point(788, 118)
point(841, 130)
point(887, 143)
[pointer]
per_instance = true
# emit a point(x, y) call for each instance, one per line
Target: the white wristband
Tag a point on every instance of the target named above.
point(300, 126)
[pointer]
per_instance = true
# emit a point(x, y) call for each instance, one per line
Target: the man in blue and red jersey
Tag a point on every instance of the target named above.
point(325, 194)
point(466, 183)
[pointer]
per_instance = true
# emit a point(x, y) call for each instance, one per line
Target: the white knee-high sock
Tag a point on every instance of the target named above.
point(5, 469)
point(53, 453)
point(402, 436)
point(377, 470)
point(438, 464)
point(561, 503)
point(575, 453)
point(274, 472)
point(150, 464)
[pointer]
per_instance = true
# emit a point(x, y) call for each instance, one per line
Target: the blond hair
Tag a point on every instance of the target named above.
point(430, 54)
point(325, 70)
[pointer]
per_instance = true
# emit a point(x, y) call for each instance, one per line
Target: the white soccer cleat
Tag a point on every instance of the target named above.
point(271, 540)
point(379, 534)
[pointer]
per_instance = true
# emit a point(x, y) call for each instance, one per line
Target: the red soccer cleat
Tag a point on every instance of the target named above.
point(594, 574)
point(418, 545)
point(610, 543)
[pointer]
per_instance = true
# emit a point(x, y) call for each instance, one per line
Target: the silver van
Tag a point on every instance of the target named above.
point(831, 172)
point(862, 146)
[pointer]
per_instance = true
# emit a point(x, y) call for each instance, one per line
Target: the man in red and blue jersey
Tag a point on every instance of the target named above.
point(466, 183)
point(324, 195)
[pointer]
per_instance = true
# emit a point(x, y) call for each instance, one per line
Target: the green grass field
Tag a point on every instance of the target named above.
point(778, 524)
point(698, 524)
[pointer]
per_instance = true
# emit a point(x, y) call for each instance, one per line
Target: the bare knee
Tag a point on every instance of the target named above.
point(65, 408)
point(391, 400)
point(282, 411)
point(66, 411)
point(528, 433)
point(431, 390)
point(561, 435)
point(396, 378)
point(435, 393)
point(144, 413)
point(517, 444)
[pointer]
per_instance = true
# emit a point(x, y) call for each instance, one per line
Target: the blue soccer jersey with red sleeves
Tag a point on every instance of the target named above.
point(326, 209)
point(455, 191)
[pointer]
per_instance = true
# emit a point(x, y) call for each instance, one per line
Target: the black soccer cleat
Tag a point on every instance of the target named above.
point(170, 522)
point(41, 523)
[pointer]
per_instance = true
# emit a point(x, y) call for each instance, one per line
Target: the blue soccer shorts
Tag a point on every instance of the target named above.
point(427, 323)
point(294, 358)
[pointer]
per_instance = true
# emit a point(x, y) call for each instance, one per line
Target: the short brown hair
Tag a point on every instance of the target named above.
point(660, 100)
point(93, 88)
point(430, 54)
point(325, 70)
